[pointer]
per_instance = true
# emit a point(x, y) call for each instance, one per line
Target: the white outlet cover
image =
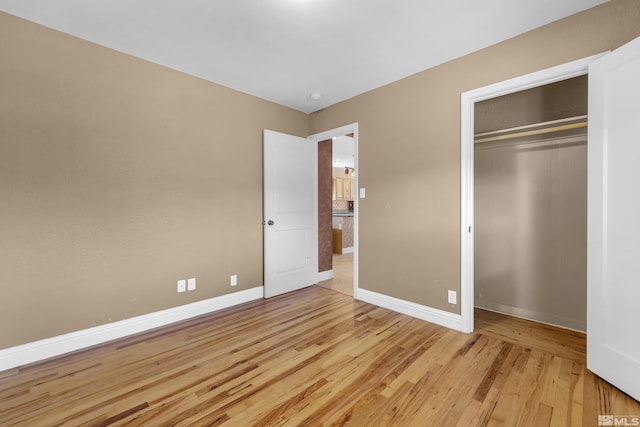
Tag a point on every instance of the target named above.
point(362, 193)
point(182, 285)
point(452, 297)
point(233, 280)
point(191, 284)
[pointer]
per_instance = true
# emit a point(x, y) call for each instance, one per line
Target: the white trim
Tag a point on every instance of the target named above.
point(339, 131)
point(316, 214)
point(468, 100)
point(348, 250)
point(325, 275)
point(343, 130)
point(433, 315)
point(50, 347)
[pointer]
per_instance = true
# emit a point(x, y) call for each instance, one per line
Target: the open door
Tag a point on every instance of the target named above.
point(290, 213)
point(613, 254)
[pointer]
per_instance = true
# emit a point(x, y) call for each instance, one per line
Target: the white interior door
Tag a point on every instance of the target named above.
point(290, 213)
point(613, 254)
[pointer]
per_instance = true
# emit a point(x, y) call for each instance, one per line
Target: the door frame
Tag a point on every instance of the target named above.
point(343, 130)
point(467, 181)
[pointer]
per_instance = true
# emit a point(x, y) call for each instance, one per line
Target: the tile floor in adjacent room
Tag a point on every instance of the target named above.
point(342, 274)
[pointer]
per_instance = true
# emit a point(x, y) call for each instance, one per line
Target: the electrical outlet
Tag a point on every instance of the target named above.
point(452, 297)
point(182, 285)
point(191, 284)
point(233, 280)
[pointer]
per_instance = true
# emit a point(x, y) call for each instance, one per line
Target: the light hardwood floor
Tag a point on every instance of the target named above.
point(318, 357)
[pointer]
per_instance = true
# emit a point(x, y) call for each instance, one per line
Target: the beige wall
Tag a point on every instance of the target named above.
point(117, 178)
point(409, 150)
point(559, 100)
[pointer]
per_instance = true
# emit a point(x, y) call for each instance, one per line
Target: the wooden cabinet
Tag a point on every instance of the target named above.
point(343, 234)
point(338, 189)
point(337, 241)
point(348, 189)
point(342, 189)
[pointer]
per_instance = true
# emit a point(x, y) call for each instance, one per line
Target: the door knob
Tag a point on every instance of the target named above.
point(270, 222)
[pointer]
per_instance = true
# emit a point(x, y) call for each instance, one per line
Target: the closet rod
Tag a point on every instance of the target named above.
point(535, 129)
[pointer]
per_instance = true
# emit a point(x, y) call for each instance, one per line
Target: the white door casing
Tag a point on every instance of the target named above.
point(468, 100)
point(290, 213)
point(613, 237)
point(343, 130)
point(613, 241)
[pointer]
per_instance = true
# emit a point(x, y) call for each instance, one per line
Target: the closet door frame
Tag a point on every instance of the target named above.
point(468, 99)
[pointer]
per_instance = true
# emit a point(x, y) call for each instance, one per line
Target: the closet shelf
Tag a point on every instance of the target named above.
point(533, 129)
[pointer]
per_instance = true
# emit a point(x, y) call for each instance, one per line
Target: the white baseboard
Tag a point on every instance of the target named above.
point(546, 318)
point(349, 250)
point(433, 315)
point(324, 275)
point(43, 349)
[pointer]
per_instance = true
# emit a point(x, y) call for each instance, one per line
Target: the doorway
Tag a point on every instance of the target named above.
point(612, 348)
point(467, 226)
point(530, 174)
point(340, 174)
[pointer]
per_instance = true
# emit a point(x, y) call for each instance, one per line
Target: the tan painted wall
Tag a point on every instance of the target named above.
point(559, 100)
point(117, 178)
point(409, 150)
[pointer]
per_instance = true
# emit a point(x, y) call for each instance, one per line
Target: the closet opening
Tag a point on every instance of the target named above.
point(530, 203)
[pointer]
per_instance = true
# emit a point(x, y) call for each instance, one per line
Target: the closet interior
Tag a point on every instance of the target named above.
point(531, 203)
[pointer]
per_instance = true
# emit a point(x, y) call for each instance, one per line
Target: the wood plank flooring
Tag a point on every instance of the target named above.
point(317, 357)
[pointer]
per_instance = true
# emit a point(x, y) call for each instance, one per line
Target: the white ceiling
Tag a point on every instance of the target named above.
point(283, 50)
